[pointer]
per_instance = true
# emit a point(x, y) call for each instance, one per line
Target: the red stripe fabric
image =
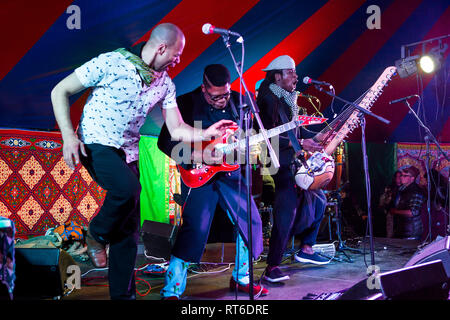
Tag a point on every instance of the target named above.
point(307, 37)
point(29, 20)
point(355, 58)
point(445, 133)
point(400, 88)
point(190, 15)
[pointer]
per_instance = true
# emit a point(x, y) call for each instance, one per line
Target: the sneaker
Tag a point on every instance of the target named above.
point(275, 275)
point(257, 289)
point(311, 258)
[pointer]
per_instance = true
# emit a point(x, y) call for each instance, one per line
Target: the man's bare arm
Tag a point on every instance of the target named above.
point(180, 131)
point(61, 108)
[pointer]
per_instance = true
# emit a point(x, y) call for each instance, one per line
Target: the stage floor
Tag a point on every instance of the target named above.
point(305, 279)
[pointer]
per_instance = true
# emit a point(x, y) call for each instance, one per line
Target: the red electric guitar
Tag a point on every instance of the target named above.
point(200, 174)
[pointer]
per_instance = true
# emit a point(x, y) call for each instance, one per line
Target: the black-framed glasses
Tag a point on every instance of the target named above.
point(216, 98)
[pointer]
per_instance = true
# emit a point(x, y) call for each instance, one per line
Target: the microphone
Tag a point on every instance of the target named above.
point(300, 94)
point(403, 99)
point(307, 96)
point(209, 29)
point(308, 80)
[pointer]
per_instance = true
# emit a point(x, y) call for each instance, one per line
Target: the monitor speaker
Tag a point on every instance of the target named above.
point(425, 281)
point(437, 250)
point(38, 273)
point(158, 239)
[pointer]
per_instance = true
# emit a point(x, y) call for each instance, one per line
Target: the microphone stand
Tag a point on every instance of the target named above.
point(365, 162)
point(427, 165)
point(254, 109)
point(427, 168)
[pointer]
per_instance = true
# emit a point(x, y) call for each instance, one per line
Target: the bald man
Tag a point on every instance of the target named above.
point(127, 84)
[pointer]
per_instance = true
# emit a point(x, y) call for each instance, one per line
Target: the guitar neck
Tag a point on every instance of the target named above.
point(344, 128)
point(257, 138)
point(299, 121)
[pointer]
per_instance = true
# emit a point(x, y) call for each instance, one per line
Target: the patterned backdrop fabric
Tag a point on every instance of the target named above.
point(38, 190)
point(7, 259)
point(414, 154)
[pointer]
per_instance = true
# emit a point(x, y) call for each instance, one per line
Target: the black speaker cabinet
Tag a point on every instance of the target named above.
point(37, 273)
point(437, 250)
point(359, 291)
point(158, 239)
point(425, 281)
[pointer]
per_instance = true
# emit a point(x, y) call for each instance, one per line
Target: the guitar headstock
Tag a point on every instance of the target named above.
point(308, 120)
point(377, 89)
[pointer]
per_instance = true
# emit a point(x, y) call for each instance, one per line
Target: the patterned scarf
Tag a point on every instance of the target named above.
point(289, 97)
point(147, 74)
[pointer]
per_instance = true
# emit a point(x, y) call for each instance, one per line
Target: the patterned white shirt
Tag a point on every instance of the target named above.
point(119, 102)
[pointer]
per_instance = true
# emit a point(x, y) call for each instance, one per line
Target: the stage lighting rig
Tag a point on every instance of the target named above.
point(428, 61)
point(431, 62)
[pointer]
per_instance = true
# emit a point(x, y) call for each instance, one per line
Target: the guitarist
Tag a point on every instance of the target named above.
point(125, 85)
point(210, 102)
point(296, 212)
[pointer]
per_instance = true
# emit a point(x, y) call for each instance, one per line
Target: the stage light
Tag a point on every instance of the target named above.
point(407, 66)
point(426, 63)
point(430, 62)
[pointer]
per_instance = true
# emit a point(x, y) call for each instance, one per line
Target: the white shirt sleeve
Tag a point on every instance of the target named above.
point(95, 72)
point(170, 100)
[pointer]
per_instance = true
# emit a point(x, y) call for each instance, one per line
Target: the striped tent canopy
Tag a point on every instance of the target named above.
point(343, 42)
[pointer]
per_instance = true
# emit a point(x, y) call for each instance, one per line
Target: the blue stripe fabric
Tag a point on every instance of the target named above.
point(106, 25)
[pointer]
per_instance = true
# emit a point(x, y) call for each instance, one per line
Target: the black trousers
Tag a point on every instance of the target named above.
point(117, 222)
point(295, 213)
point(200, 207)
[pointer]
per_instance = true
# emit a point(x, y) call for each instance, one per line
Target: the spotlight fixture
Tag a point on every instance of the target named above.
point(430, 62)
point(407, 66)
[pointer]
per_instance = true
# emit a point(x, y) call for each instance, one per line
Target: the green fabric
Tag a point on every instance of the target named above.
point(382, 164)
point(147, 74)
point(154, 172)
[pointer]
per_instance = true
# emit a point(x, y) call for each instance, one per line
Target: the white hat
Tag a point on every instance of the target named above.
point(280, 63)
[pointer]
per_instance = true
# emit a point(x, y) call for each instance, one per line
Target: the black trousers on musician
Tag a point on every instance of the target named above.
point(200, 207)
point(296, 212)
point(117, 222)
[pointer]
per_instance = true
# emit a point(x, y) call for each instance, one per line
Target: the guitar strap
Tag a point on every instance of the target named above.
point(295, 144)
